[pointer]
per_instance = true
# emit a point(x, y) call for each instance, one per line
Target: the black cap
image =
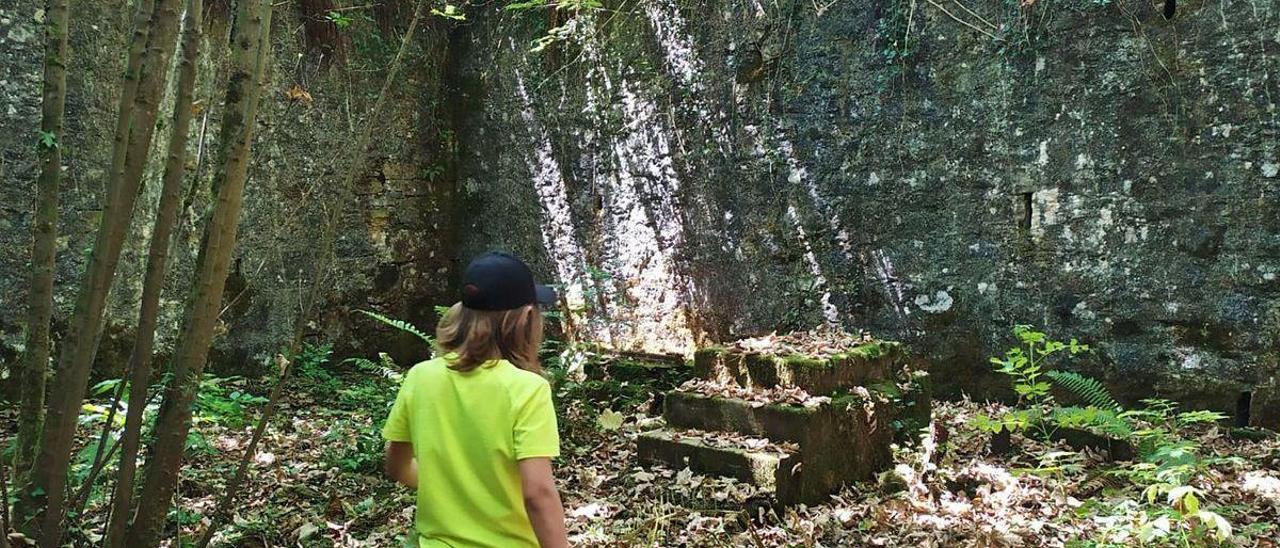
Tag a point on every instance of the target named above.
point(499, 281)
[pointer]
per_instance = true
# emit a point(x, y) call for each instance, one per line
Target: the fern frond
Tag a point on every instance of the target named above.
point(1106, 479)
point(1087, 389)
point(399, 324)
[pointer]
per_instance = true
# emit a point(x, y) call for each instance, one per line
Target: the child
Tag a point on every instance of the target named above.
point(474, 430)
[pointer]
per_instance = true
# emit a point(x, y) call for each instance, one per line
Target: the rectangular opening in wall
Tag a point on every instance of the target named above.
point(1242, 408)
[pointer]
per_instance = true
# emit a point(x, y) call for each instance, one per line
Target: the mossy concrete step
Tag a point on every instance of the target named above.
point(864, 364)
point(777, 422)
point(766, 469)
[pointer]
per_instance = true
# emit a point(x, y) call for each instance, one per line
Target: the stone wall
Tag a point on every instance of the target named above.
point(695, 172)
point(702, 171)
point(392, 223)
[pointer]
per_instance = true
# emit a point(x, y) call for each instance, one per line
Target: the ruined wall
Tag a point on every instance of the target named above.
point(701, 171)
point(392, 223)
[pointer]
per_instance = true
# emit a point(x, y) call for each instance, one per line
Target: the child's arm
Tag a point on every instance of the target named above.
point(399, 463)
point(542, 501)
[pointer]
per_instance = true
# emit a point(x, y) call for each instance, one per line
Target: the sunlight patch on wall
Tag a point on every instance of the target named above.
point(830, 315)
point(677, 45)
point(645, 226)
point(636, 294)
point(798, 175)
point(889, 281)
point(557, 226)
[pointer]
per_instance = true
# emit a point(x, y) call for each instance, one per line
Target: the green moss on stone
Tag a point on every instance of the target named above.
point(800, 361)
point(871, 350)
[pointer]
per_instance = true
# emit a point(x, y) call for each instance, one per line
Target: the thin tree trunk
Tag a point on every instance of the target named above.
point(222, 512)
point(49, 476)
point(4, 507)
point(153, 283)
point(45, 236)
point(99, 457)
point(250, 51)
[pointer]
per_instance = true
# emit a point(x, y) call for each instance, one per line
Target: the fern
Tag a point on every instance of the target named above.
point(1095, 419)
point(1087, 389)
point(401, 325)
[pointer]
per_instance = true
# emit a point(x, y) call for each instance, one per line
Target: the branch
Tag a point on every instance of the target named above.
point(962, 21)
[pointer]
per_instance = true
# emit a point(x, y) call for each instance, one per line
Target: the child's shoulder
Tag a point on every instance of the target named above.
point(523, 378)
point(433, 366)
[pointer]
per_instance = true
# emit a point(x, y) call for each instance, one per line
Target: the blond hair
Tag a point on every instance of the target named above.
point(479, 336)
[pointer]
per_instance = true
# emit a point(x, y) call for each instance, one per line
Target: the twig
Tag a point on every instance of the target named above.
point(224, 506)
point(906, 36)
point(962, 21)
point(971, 12)
point(82, 497)
point(99, 456)
point(751, 528)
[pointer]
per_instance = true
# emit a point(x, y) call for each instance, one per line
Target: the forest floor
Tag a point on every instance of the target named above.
point(316, 480)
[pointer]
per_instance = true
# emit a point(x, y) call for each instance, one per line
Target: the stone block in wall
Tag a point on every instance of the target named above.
point(1264, 406)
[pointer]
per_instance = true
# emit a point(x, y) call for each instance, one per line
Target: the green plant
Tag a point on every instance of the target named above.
point(401, 325)
point(339, 19)
point(310, 362)
point(47, 140)
point(219, 400)
point(1087, 389)
point(556, 32)
point(1106, 422)
point(377, 391)
point(449, 11)
point(1028, 367)
point(570, 5)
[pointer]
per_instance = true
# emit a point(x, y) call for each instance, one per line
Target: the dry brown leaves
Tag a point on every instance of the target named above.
point(816, 343)
point(757, 397)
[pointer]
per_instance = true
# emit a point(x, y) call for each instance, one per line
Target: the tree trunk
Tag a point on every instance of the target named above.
point(45, 236)
point(48, 482)
point(222, 512)
point(250, 50)
point(153, 283)
point(4, 508)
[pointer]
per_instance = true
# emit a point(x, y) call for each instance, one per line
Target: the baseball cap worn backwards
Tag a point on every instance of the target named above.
point(500, 281)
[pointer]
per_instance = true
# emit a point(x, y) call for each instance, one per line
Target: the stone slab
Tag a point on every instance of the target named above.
point(670, 448)
point(820, 376)
point(701, 412)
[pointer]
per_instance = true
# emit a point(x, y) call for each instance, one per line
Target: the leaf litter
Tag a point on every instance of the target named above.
point(316, 483)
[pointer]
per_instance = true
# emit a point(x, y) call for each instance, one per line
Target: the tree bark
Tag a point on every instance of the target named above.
point(222, 512)
point(44, 238)
point(153, 282)
point(4, 508)
point(48, 482)
point(250, 51)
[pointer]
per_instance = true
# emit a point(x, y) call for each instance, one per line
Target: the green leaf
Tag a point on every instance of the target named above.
point(1085, 388)
point(47, 140)
point(450, 11)
point(399, 324)
point(609, 420)
point(1219, 524)
point(105, 386)
point(525, 5)
point(1190, 504)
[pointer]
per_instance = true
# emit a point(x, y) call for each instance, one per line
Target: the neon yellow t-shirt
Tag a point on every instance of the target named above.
point(468, 430)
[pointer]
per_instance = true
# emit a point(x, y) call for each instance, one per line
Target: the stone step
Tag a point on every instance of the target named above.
point(768, 469)
point(864, 364)
point(702, 412)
